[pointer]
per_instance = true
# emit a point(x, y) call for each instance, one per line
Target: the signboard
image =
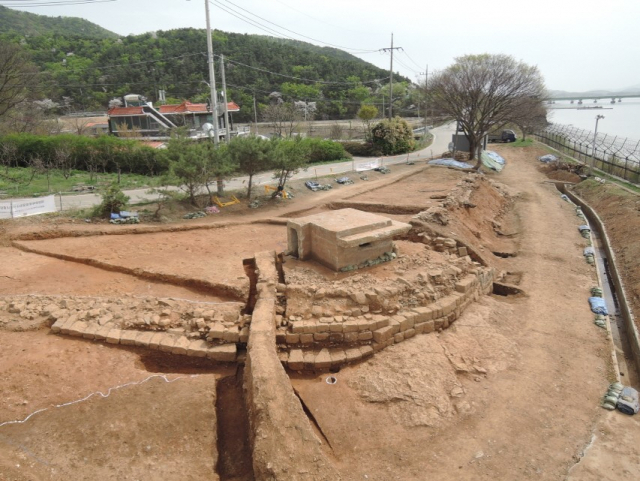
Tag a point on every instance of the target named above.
point(24, 207)
point(370, 165)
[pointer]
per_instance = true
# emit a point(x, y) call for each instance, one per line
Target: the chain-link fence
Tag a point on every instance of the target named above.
point(619, 156)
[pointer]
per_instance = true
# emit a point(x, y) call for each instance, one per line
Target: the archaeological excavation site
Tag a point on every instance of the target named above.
point(429, 323)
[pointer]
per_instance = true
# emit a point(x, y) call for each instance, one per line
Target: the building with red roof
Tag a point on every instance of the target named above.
point(139, 116)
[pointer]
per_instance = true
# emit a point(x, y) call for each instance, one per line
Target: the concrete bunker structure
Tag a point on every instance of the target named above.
point(342, 238)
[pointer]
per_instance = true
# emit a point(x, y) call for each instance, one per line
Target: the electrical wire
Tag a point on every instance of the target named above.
point(218, 2)
point(43, 3)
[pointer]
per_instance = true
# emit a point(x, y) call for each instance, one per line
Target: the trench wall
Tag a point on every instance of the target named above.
point(284, 444)
point(625, 310)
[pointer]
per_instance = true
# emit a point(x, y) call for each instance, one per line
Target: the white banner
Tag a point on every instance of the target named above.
point(25, 207)
point(372, 164)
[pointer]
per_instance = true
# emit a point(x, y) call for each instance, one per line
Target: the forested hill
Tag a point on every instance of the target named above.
point(91, 72)
point(24, 24)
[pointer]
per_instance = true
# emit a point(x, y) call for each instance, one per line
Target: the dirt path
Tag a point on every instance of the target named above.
point(524, 402)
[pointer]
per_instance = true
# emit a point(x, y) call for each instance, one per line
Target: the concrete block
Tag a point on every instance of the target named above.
point(223, 353)
point(323, 359)
point(166, 343)
point(114, 336)
point(198, 348)
point(382, 334)
point(128, 338)
point(296, 360)
point(181, 345)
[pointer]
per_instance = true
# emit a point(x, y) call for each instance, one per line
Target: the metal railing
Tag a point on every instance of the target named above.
point(614, 155)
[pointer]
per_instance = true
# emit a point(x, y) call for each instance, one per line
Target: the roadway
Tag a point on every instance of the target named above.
point(441, 139)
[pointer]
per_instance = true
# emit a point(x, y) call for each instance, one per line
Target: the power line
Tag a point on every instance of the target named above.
point(43, 3)
point(218, 2)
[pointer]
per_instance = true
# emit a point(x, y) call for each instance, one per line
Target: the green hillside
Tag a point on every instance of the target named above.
point(29, 24)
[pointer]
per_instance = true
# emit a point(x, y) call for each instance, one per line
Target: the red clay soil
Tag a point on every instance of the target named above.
point(619, 209)
point(510, 392)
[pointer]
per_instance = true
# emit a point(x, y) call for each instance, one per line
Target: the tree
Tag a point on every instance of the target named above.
point(282, 117)
point(367, 113)
point(18, 77)
point(188, 164)
point(393, 136)
point(485, 92)
point(252, 155)
point(288, 157)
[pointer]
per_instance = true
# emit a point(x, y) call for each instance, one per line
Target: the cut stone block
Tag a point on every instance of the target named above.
point(181, 345)
point(128, 338)
point(198, 348)
point(114, 336)
point(296, 360)
point(353, 354)
point(166, 343)
point(156, 339)
point(144, 338)
point(366, 351)
point(223, 353)
point(338, 357)
point(323, 359)
point(77, 329)
point(381, 335)
point(90, 331)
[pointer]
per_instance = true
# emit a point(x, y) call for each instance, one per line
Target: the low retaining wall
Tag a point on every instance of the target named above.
point(283, 442)
point(627, 315)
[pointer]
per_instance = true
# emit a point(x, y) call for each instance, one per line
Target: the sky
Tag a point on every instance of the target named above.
point(578, 45)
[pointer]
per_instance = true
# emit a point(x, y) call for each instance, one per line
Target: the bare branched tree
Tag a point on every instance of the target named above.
point(283, 118)
point(485, 92)
point(18, 77)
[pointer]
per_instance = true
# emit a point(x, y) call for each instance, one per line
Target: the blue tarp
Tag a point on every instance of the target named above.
point(492, 160)
point(451, 163)
point(598, 305)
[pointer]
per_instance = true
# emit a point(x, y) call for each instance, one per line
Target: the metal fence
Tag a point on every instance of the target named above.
point(619, 156)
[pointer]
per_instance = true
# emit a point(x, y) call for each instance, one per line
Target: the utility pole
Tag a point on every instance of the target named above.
point(426, 97)
point(255, 113)
point(227, 133)
point(212, 80)
point(593, 149)
point(391, 75)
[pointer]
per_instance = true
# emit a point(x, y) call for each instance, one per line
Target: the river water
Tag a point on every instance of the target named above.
point(621, 119)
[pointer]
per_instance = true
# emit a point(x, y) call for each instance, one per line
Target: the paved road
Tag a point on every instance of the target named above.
point(442, 137)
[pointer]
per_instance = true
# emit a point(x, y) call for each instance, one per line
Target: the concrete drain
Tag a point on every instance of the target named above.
point(331, 380)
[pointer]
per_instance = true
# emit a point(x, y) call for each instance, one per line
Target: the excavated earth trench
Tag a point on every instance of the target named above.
point(271, 329)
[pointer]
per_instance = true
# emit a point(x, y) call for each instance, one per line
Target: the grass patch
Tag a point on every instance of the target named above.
point(17, 182)
point(521, 143)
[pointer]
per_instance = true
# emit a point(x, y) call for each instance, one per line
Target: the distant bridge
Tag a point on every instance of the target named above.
point(595, 98)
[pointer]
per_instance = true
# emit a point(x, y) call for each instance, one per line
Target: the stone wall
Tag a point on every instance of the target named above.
point(178, 327)
point(278, 423)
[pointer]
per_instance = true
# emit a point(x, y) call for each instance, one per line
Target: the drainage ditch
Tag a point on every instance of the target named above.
point(234, 448)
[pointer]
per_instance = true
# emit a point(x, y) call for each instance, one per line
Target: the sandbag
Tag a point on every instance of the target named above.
point(598, 306)
point(628, 401)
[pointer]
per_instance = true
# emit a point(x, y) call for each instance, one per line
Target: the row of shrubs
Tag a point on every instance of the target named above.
point(113, 154)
